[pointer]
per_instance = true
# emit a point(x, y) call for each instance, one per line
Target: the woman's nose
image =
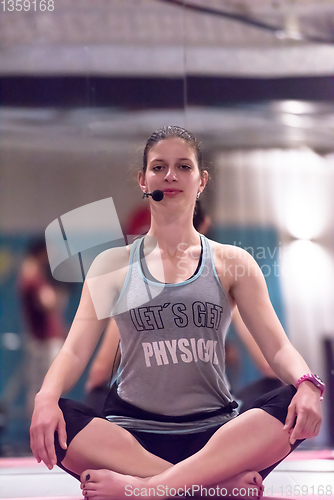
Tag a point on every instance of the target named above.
point(171, 174)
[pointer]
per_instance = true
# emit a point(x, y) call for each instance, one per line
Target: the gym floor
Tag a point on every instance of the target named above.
point(304, 474)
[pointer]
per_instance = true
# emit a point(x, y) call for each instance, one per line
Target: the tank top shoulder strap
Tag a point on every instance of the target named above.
point(209, 258)
point(134, 250)
point(133, 259)
point(207, 251)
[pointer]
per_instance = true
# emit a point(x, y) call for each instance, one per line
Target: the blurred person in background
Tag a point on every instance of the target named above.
point(43, 303)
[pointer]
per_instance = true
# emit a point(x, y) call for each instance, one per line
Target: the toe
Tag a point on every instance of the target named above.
point(85, 477)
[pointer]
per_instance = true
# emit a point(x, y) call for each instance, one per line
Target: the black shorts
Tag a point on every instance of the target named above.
point(171, 447)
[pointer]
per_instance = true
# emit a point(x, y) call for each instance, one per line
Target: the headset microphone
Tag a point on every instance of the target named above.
point(157, 195)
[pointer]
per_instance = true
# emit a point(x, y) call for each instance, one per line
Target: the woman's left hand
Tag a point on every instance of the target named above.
point(304, 413)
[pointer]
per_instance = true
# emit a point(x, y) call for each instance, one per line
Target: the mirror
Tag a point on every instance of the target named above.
point(84, 84)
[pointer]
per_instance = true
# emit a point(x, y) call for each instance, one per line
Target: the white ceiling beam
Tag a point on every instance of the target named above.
point(167, 61)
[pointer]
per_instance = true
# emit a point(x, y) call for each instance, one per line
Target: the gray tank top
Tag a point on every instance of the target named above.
point(172, 342)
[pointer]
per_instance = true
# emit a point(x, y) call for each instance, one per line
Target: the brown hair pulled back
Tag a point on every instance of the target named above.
point(169, 132)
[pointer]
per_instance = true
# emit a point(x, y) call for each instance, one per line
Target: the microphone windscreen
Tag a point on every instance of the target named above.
point(157, 195)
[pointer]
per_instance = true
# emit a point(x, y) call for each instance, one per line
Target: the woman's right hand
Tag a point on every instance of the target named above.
point(47, 418)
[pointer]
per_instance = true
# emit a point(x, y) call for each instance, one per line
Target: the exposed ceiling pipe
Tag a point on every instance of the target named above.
point(288, 31)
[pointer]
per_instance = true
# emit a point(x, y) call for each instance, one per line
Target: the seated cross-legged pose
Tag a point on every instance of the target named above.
point(170, 426)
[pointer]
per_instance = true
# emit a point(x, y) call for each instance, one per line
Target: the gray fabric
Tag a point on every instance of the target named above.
point(172, 341)
point(152, 426)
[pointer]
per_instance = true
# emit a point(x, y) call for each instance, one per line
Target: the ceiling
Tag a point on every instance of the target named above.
point(278, 124)
point(171, 37)
point(244, 42)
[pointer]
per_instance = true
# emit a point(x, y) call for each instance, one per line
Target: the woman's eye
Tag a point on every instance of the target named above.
point(157, 168)
point(185, 167)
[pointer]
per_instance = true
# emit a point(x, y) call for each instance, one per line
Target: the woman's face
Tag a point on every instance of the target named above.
point(172, 167)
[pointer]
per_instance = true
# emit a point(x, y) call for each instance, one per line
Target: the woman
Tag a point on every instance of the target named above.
point(172, 422)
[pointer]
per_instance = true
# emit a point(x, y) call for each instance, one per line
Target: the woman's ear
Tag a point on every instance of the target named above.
point(204, 180)
point(142, 181)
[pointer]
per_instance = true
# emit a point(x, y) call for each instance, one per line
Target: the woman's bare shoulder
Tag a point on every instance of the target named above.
point(105, 279)
point(226, 252)
point(110, 261)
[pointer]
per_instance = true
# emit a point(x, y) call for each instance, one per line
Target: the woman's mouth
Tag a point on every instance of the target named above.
point(171, 192)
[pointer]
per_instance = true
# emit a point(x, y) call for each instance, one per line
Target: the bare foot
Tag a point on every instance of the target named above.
point(108, 485)
point(246, 485)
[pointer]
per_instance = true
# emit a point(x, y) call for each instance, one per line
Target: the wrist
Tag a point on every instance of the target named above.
point(44, 396)
point(313, 382)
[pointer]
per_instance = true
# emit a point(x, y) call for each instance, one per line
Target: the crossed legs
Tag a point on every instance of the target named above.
point(113, 460)
point(104, 445)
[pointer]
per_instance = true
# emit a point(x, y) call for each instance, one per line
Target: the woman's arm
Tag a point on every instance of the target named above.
point(242, 277)
point(105, 277)
point(78, 347)
point(250, 344)
point(64, 372)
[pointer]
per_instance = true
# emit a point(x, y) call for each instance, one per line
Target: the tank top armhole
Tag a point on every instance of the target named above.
point(127, 279)
point(209, 247)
